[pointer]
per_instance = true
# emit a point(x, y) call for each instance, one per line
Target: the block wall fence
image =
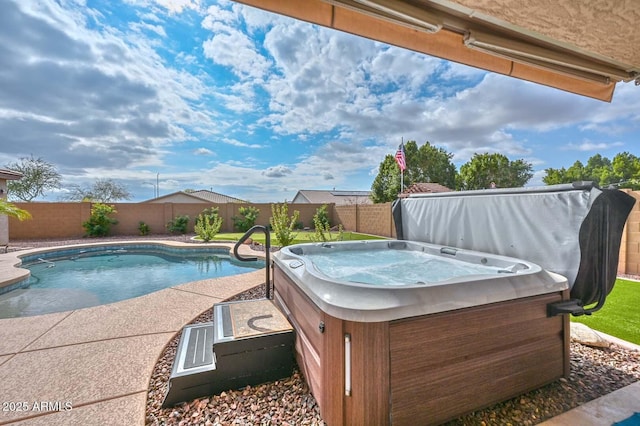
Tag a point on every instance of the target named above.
point(64, 220)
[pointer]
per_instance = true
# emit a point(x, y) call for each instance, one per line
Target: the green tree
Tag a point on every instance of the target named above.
point(424, 164)
point(102, 190)
point(626, 170)
point(484, 169)
point(434, 165)
point(623, 171)
point(38, 176)
point(386, 185)
point(10, 209)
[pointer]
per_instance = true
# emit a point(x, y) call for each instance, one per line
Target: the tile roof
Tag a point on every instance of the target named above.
point(215, 197)
point(315, 196)
point(424, 187)
point(202, 195)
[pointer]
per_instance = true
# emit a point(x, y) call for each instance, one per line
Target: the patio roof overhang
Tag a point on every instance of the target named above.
point(574, 46)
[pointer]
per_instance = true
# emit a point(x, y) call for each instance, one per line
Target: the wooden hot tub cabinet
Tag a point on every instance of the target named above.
point(426, 369)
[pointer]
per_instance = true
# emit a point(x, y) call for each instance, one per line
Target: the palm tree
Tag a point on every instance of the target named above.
point(9, 209)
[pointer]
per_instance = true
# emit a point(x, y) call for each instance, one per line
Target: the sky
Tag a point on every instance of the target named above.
point(168, 95)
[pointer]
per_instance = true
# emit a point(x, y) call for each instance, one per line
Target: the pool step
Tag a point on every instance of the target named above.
point(248, 343)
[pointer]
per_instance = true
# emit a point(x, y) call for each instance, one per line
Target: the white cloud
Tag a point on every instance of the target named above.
point(142, 26)
point(592, 146)
point(277, 171)
point(235, 142)
point(203, 151)
point(178, 6)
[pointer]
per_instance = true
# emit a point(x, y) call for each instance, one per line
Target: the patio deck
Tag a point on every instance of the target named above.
point(97, 361)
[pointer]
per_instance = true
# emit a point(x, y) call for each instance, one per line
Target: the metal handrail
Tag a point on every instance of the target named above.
point(267, 249)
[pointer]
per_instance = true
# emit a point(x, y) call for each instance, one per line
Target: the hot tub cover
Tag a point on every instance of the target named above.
point(572, 229)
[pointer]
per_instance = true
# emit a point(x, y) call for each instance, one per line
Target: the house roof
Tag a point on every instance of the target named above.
point(424, 187)
point(577, 46)
point(315, 196)
point(202, 195)
point(7, 174)
point(215, 197)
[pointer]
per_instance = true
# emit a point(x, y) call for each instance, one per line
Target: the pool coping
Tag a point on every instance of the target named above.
point(58, 359)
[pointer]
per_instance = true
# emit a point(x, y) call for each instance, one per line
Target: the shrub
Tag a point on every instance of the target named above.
point(282, 224)
point(207, 226)
point(246, 218)
point(99, 222)
point(322, 231)
point(178, 225)
point(143, 228)
point(322, 217)
point(209, 212)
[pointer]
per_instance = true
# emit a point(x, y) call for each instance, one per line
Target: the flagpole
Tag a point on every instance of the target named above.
point(402, 164)
point(401, 169)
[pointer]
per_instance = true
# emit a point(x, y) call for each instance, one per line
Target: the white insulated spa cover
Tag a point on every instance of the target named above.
point(571, 229)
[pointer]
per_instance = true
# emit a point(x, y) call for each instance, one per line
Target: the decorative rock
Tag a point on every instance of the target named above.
point(582, 334)
point(594, 372)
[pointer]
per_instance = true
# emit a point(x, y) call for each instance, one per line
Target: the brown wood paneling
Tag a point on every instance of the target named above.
point(447, 364)
point(332, 362)
point(324, 369)
point(305, 312)
point(307, 357)
point(368, 403)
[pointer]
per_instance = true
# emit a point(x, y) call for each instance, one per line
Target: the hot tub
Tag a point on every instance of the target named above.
point(404, 332)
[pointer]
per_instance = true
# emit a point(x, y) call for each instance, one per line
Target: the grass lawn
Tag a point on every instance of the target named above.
point(620, 316)
point(301, 237)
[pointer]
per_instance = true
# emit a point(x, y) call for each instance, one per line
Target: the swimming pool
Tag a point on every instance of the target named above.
point(80, 277)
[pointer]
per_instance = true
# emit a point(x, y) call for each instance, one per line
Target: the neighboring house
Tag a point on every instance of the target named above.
point(201, 196)
point(424, 187)
point(6, 175)
point(340, 198)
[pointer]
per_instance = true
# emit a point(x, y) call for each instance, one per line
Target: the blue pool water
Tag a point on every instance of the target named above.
point(82, 278)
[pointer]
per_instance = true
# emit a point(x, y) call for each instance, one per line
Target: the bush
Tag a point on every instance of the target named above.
point(207, 226)
point(322, 232)
point(282, 224)
point(246, 219)
point(209, 213)
point(322, 217)
point(143, 228)
point(99, 222)
point(178, 225)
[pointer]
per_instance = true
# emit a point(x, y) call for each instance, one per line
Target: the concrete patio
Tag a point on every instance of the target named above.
point(93, 365)
point(97, 361)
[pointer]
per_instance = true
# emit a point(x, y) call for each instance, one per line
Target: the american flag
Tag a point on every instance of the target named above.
point(400, 157)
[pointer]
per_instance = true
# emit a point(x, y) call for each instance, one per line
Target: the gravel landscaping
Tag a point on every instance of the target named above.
point(594, 372)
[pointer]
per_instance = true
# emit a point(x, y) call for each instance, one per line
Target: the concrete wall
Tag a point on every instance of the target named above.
point(64, 220)
point(630, 248)
point(4, 220)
